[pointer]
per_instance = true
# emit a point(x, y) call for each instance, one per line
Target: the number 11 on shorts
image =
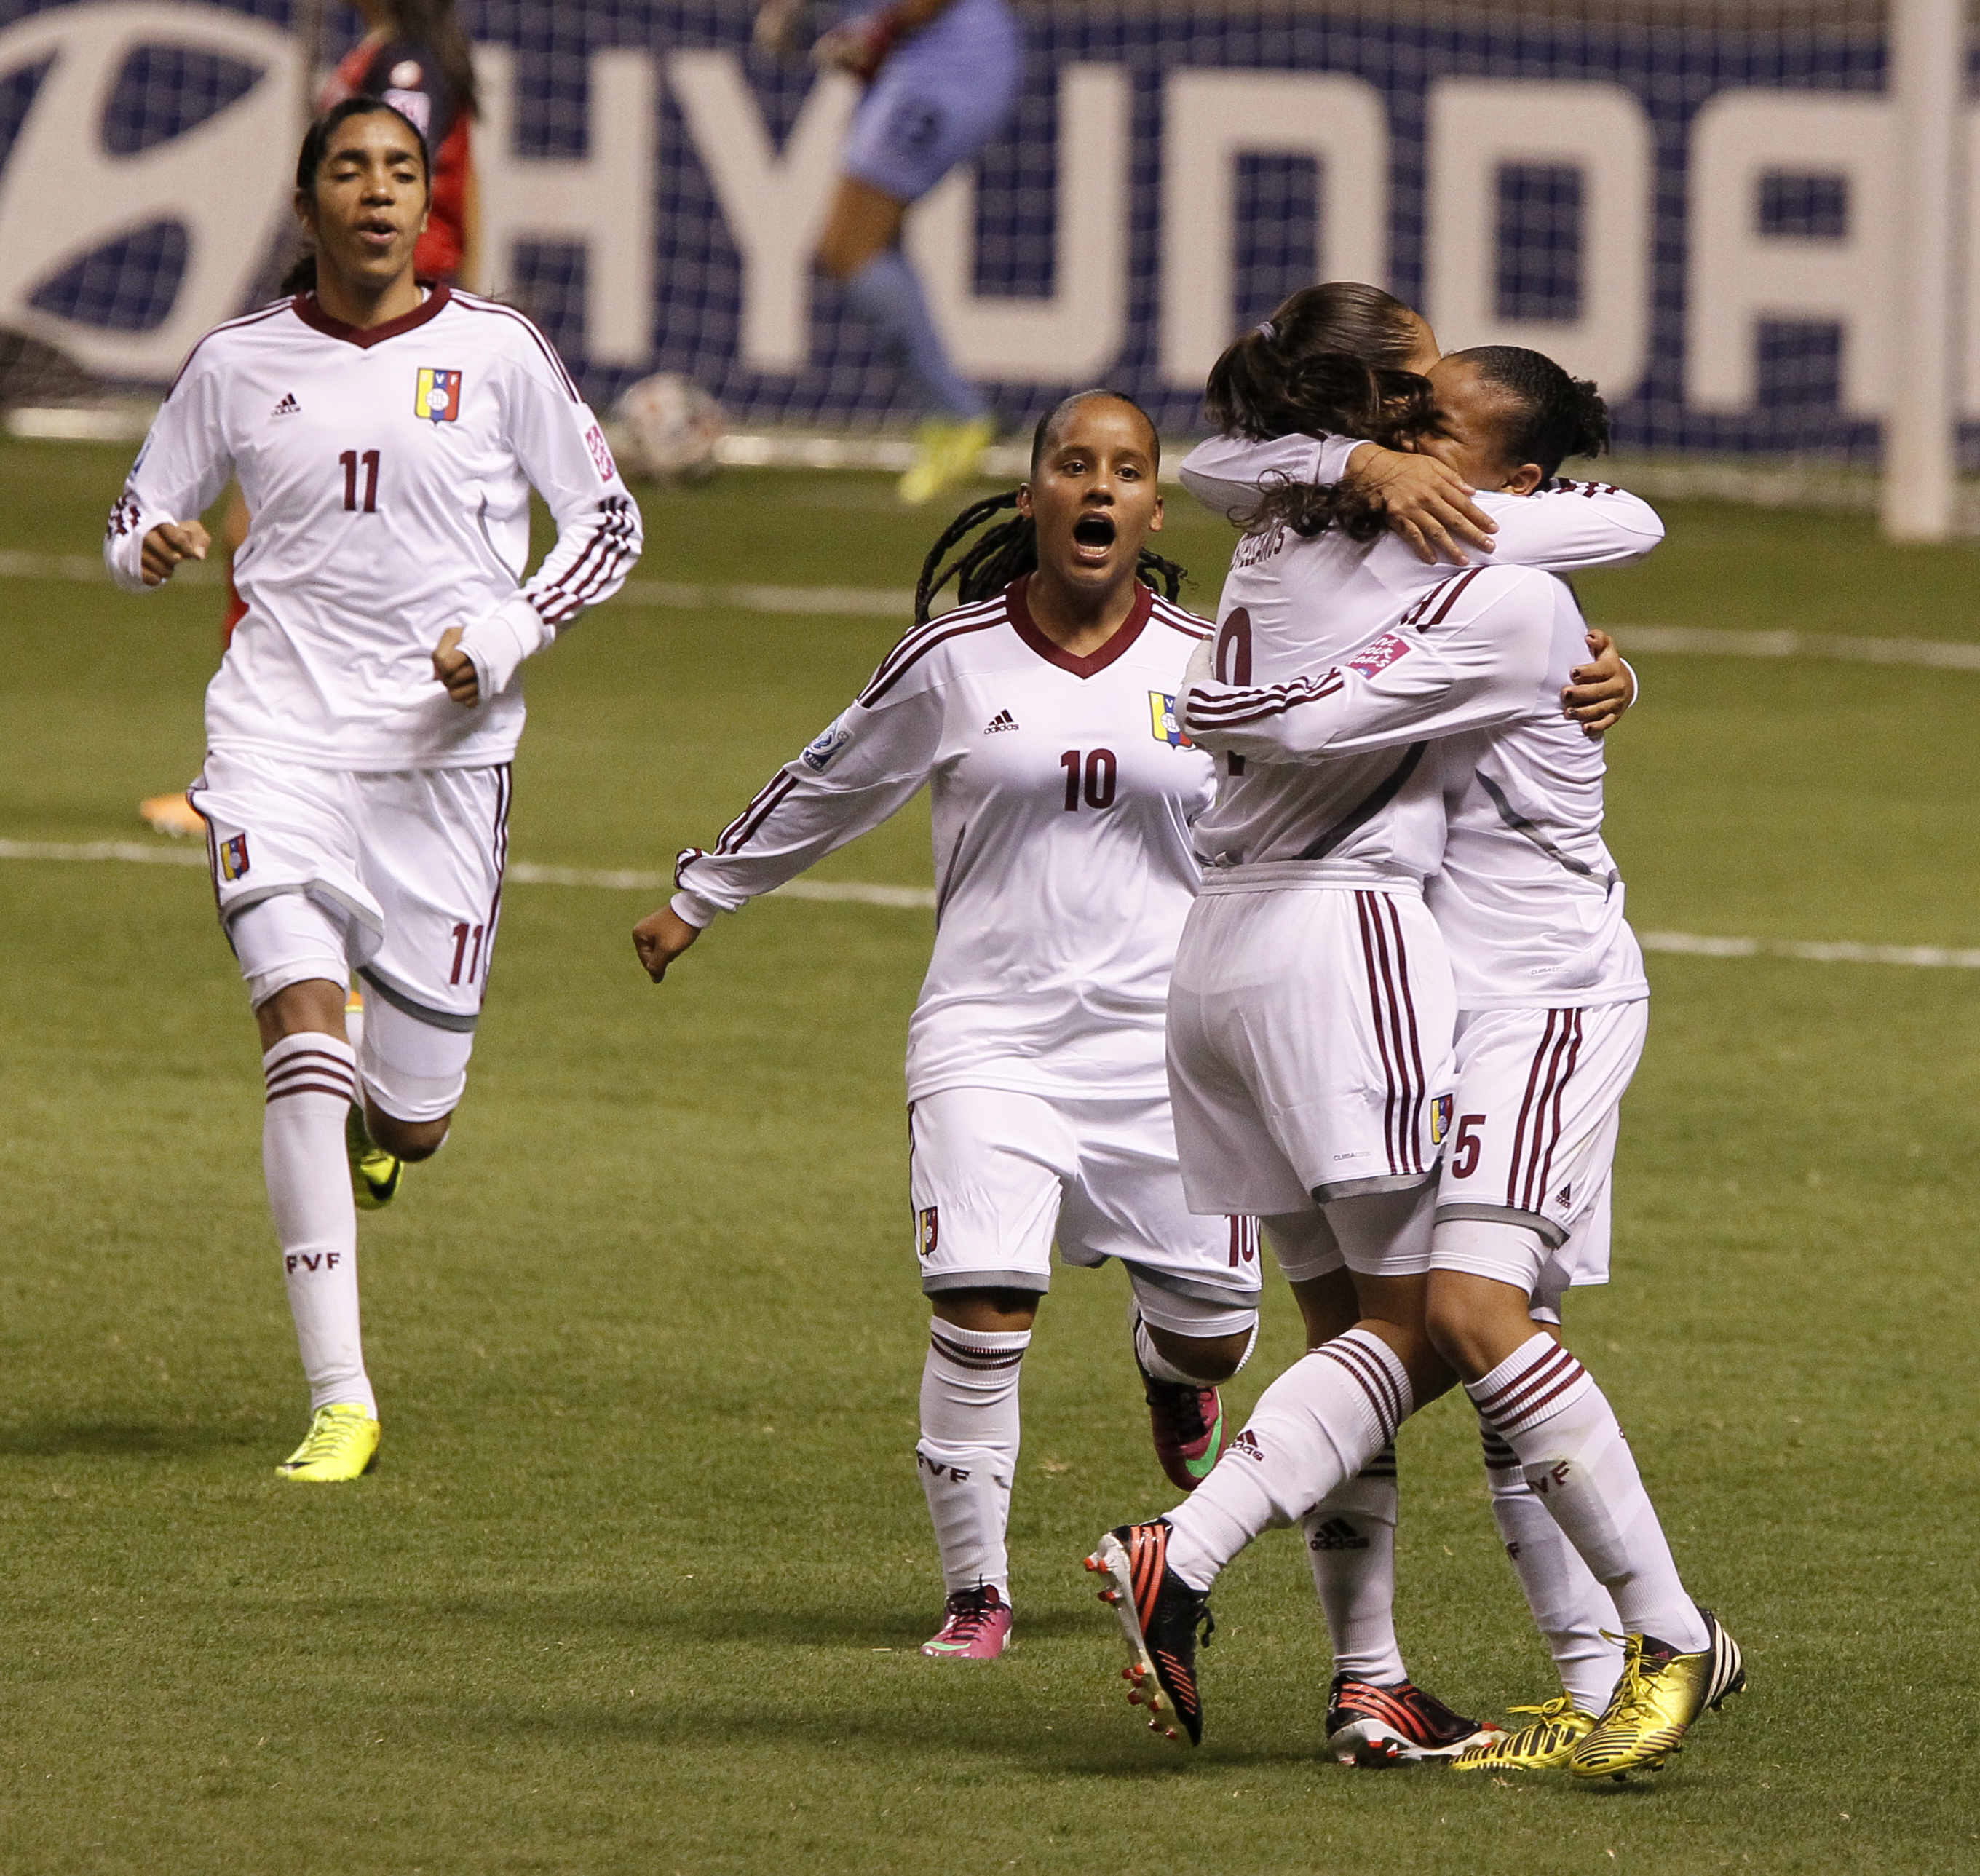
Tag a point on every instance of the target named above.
point(463, 934)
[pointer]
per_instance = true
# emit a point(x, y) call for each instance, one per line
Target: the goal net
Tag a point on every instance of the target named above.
point(1704, 204)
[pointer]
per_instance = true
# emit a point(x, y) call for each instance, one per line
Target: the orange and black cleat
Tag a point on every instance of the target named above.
point(1159, 1614)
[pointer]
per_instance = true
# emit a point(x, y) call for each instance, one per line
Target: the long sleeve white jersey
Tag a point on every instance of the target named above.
point(1062, 795)
point(387, 473)
point(1528, 898)
point(1292, 606)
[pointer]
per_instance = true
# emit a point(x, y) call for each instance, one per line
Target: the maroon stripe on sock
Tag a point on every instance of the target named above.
point(1529, 1413)
point(282, 1080)
point(1511, 1412)
point(975, 1358)
point(347, 1094)
point(1376, 1381)
point(1548, 1358)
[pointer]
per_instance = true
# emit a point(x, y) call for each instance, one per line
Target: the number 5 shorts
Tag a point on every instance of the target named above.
point(396, 877)
point(1309, 1046)
point(1533, 1140)
point(995, 1176)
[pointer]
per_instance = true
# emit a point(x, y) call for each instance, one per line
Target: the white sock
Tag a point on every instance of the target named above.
point(1319, 1423)
point(1570, 1608)
point(968, 1452)
point(312, 1082)
point(1350, 1541)
point(1546, 1407)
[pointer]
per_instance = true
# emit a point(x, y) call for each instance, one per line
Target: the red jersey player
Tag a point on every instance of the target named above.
point(387, 435)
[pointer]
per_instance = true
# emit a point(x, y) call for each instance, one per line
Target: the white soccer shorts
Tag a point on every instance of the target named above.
point(396, 876)
point(1308, 1047)
point(1533, 1138)
point(995, 1177)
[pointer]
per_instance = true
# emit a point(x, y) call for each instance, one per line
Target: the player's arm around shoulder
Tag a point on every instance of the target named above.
point(1567, 526)
point(560, 447)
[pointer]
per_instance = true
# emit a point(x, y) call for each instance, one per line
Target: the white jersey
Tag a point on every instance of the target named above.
point(1063, 793)
point(1528, 898)
point(1293, 606)
point(387, 472)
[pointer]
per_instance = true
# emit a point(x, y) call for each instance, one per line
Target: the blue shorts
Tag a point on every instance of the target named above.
point(941, 97)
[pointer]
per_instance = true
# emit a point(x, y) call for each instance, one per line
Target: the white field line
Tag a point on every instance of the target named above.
point(922, 898)
point(898, 603)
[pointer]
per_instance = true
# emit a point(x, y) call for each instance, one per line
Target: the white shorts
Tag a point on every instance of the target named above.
point(398, 876)
point(1534, 1141)
point(996, 1176)
point(1308, 1047)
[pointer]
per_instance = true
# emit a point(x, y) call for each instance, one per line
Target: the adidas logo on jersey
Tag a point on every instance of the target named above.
point(1002, 720)
point(1336, 1534)
point(288, 407)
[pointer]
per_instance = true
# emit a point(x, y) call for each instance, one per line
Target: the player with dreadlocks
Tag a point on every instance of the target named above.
point(1040, 713)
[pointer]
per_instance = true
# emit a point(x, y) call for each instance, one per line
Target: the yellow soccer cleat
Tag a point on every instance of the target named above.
point(947, 451)
point(374, 1172)
point(1660, 1694)
point(342, 1443)
point(1544, 1744)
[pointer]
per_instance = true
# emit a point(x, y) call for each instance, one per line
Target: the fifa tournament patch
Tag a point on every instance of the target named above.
point(927, 1229)
point(1164, 723)
point(601, 453)
point(1440, 1118)
point(818, 752)
point(1372, 659)
point(233, 857)
point(436, 396)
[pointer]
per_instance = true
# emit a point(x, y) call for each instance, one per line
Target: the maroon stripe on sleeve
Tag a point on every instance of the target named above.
point(1453, 594)
point(885, 680)
point(738, 836)
point(468, 302)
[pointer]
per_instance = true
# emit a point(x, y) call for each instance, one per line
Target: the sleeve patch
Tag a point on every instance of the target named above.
point(1372, 659)
point(820, 753)
point(601, 453)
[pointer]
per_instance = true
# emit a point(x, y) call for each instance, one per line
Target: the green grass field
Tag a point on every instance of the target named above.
point(637, 1585)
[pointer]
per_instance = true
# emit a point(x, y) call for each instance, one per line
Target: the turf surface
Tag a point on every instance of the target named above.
point(637, 1584)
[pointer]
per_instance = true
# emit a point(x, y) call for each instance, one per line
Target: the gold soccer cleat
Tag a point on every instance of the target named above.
point(1660, 1694)
point(374, 1172)
point(341, 1444)
point(946, 452)
point(1545, 1743)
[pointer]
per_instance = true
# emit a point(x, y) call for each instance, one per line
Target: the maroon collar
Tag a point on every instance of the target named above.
point(364, 338)
point(1016, 596)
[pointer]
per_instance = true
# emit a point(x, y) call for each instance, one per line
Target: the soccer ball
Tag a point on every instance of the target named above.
point(672, 427)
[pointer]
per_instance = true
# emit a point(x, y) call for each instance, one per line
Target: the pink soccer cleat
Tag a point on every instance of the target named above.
point(976, 1626)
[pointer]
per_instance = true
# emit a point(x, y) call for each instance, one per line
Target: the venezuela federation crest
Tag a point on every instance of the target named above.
point(437, 396)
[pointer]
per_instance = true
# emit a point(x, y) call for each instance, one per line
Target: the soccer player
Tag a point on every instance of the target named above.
point(1038, 714)
point(416, 56)
point(1336, 362)
point(941, 78)
point(1534, 906)
point(356, 788)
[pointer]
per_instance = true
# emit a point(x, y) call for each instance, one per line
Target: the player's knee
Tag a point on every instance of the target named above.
point(1473, 1322)
point(411, 1141)
point(1209, 1360)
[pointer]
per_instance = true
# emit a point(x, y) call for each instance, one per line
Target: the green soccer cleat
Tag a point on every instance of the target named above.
point(1544, 1743)
point(341, 1444)
point(374, 1172)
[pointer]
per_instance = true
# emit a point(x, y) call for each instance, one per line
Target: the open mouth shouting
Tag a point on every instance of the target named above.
point(1093, 537)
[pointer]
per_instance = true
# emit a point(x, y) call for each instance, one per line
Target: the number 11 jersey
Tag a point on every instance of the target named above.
point(386, 472)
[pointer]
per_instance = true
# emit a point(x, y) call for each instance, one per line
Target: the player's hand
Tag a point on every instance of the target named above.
point(455, 669)
point(1429, 504)
point(660, 937)
point(1601, 691)
point(167, 544)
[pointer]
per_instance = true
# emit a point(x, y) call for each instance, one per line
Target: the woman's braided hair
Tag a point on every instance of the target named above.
point(1010, 549)
point(1330, 359)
